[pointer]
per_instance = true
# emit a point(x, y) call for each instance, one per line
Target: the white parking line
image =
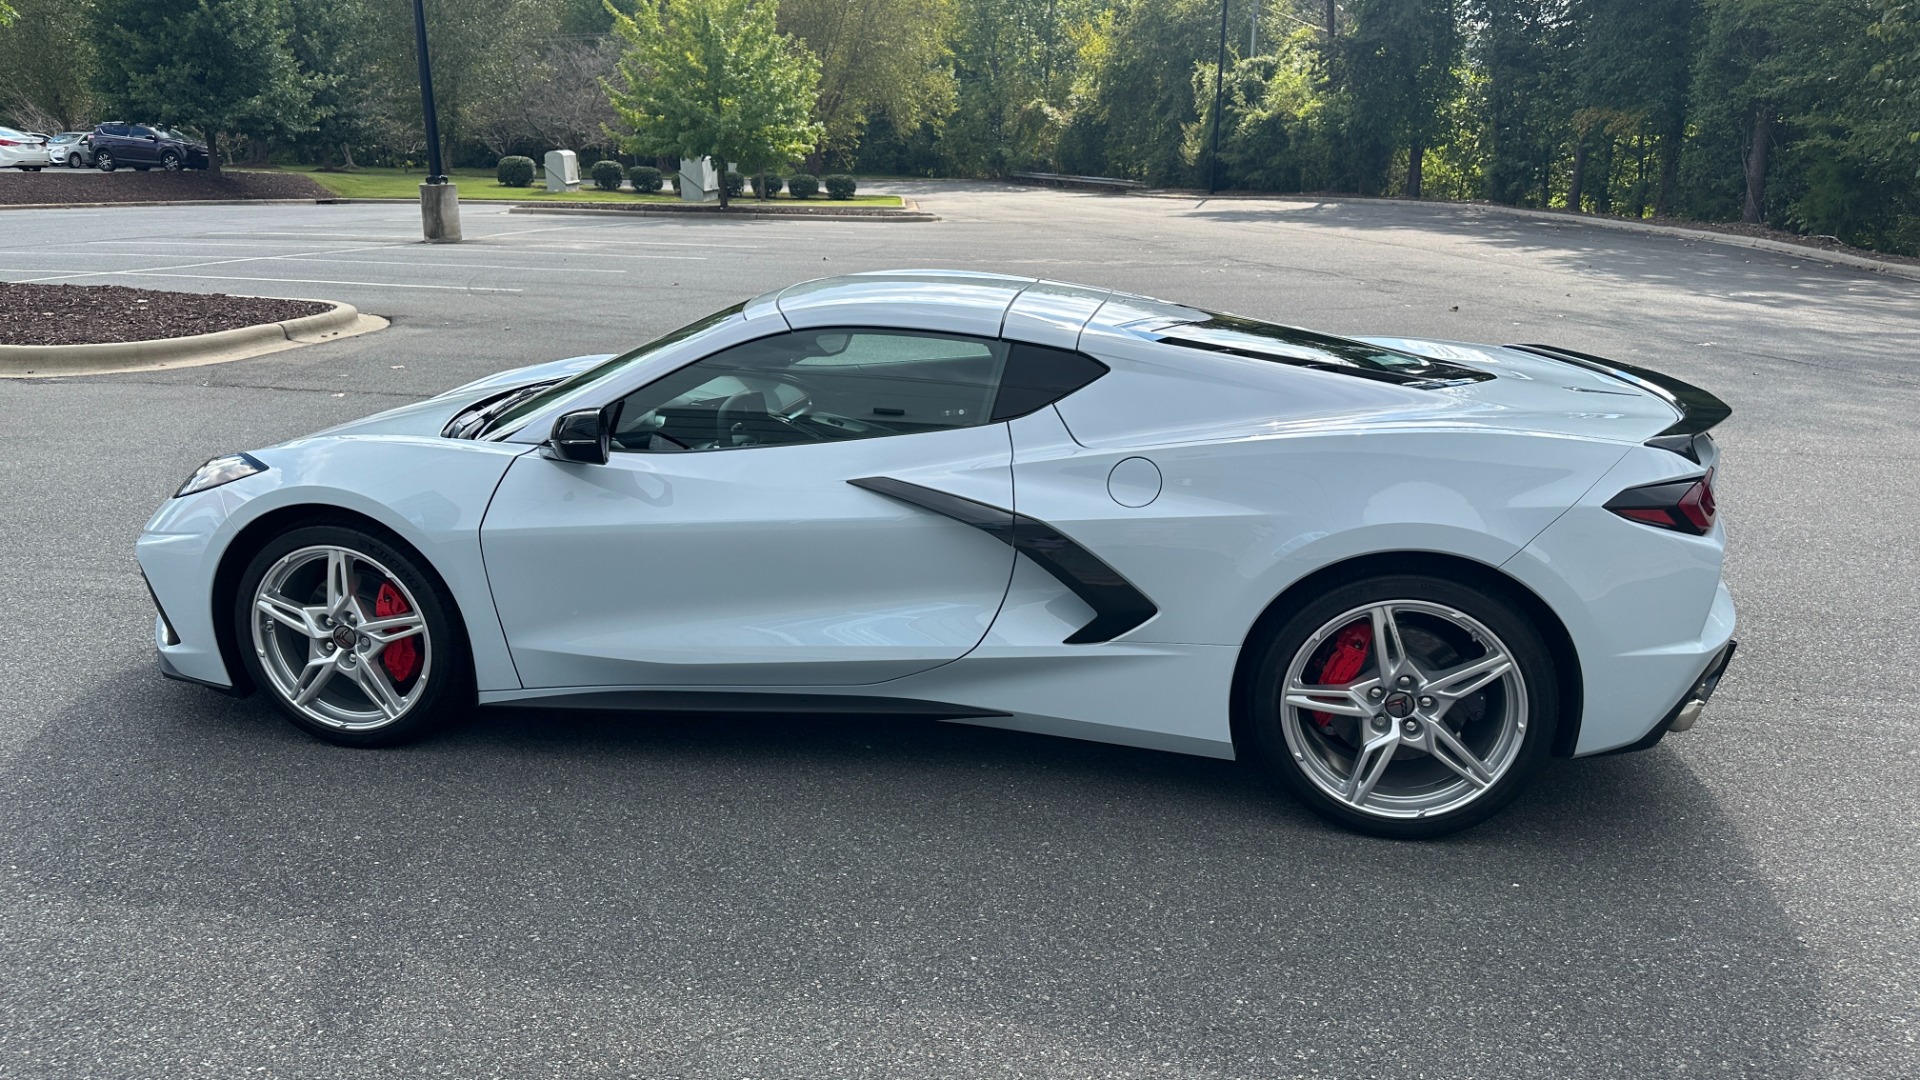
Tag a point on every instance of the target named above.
point(456, 266)
point(322, 281)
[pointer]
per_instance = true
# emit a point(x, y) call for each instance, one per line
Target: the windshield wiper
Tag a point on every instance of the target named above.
point(472, 422)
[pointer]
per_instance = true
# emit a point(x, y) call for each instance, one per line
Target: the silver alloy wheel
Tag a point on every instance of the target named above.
point(321, 643)
point(170, 162)
point(1435, 718)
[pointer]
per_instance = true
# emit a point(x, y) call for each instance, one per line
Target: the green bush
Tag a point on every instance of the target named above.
point(840, 186)
point(607, 175)
point(645, 179)
point(766, 185)
point(803, 186)
point(515, 171)
point(735, 184)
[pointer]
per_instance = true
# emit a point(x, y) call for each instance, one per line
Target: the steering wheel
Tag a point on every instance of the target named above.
point(750, 404)
point(738, 409)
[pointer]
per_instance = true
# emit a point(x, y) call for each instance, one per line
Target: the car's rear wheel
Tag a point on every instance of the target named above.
point(170, 161)
point(355, 640)
point(104, 161)
point(1405, 705)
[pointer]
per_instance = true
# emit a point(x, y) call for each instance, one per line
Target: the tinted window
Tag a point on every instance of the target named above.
point(1038, 376)
point(113, 129)
point(142, 132)
point(1301, 348)
point(816, 386)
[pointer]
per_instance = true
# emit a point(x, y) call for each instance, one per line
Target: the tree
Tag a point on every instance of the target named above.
point(1013, 73)
point(213, 66)
point(1518, 48)
point(714, 78)
point(549, 98)
point(46, 78)
point(1142, 90)
point(1401, 58)
point(875, 56)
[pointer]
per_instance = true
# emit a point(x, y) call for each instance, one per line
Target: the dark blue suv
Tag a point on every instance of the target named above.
point(143, 147)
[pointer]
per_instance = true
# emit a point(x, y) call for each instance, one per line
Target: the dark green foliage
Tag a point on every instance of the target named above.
point(607, 175)
point(514, 171)
point(840, 186)
point(735, 184)
point(766, 185)
point(645, 179)
point(803, 186)
point(210, 66)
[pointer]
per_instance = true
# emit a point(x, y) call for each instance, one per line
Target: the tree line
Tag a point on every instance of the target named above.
point(1797, 114)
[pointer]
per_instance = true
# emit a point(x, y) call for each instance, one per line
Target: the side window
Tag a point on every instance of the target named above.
point(141, 132)
point(113, 129)
point(816, 386)
point(1038, 376)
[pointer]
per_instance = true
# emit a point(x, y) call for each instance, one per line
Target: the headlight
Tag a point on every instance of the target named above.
point(221, 470)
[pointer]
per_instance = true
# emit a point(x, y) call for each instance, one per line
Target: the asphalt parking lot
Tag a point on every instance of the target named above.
point(190, 888)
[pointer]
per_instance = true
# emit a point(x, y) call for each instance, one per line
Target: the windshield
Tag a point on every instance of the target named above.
point(510, 419)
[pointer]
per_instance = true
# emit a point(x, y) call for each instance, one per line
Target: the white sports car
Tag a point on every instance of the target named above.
point(1401, 573)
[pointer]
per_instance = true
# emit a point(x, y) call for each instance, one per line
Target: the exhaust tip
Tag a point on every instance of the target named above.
point(1688, 714)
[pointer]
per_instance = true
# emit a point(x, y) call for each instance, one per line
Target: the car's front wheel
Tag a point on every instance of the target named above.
point(1405, 705)
point(73, 161)
point(355, 640)
point(170, 161)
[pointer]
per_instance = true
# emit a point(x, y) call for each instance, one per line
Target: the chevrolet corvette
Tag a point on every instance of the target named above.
point(1399, 574)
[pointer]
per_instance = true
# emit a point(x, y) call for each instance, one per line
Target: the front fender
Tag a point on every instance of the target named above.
point(431, 492)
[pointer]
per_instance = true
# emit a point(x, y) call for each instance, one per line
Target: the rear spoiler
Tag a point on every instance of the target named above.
point(1699, 410)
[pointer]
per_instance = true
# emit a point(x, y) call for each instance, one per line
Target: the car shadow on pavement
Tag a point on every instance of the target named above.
point(566, 893)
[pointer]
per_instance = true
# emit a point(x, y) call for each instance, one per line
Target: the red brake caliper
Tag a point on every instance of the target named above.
point(1348, 658)
point(400, 658)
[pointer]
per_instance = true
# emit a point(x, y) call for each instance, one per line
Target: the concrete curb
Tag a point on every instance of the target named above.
point(907, 211)
point(1755, 243)
point(221, 345)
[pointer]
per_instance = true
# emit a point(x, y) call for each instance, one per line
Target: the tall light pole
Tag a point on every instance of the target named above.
point(439, 200)
point(1219, 72)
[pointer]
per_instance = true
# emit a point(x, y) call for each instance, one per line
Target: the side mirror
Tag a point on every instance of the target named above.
point(585, 436)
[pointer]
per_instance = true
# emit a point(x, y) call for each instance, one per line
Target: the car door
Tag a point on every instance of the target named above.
point(111, 138)
point(725, 542)
point(142, 145)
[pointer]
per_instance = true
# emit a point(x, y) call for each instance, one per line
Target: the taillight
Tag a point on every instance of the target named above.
point(1681, 505)
point(10, 142)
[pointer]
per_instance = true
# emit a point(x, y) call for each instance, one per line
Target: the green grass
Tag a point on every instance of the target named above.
point(478, 184)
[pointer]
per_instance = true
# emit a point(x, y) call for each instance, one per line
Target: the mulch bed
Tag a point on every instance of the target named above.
point(20, 188)
point(92, 314)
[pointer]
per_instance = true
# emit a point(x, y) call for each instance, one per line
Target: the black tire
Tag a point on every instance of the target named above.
point(1538, 699)
point(103, 161)
point(447, 659)
point(74, 162)
point(30, 168)
point(170, 161)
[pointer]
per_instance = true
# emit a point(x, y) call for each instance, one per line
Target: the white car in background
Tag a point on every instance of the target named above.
point(1401, 573)
point(22, 150)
